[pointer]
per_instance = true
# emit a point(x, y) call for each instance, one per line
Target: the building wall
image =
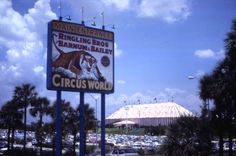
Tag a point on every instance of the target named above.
point(146, 121)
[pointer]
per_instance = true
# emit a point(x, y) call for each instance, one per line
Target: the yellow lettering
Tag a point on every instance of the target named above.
point(59, 81)
point(67, 83)
point(55, 80)
point(72, 83)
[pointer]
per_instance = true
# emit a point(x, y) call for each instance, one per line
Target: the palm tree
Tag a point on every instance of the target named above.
point(11, 118)
point(220, 87)
point(50, 129)
point(90, 120)
point(40, 107)
point(72, 122)
point(182, 137)
point(212, 88)
point(6, 120)
point(206, 88)
point(65, 113)
point(24, 95)
point(230, 76)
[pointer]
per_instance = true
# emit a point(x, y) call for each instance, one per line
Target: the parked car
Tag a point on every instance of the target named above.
point(3, 147)
point(214, 146)
point(226, 146)
point(123, 152)
point(3, 144)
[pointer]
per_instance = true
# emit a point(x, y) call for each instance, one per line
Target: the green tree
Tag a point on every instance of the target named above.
point(90, 120)
point(212, 88)
point(190, 135)
point(182, 137)
point(72, 122)
point(24, 95)
point(229, 72)
point(40, 107)
point(11, 119)
point(205, 130)
point(220, 88)
point(50, 129)
point(65, 113)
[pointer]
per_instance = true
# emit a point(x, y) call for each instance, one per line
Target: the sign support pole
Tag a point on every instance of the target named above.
point(63, 81)
point(58, 124)
point(103, 152)
point(82, 125)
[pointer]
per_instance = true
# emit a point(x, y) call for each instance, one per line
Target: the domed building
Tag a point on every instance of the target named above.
point(154, 114)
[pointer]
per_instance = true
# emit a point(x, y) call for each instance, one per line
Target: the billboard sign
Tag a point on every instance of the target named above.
point(80, 58)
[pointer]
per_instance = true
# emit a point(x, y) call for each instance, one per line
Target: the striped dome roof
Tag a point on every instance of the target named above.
point(154, 110)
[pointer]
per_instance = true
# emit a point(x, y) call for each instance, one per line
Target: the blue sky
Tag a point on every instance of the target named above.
point(158, 44)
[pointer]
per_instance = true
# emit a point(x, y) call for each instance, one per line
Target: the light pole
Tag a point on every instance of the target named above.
point(207, 102)
point(96, 100)
point(190, 77)
point(91, 20)
point(126, 109)
point(155, 100)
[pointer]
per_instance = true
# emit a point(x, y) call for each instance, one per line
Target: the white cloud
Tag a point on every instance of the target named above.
point(136, 97)
point(121, 81)
point(220, 54)
point(174, 91)
point(38, 69)
point(38, 17)
point(205, 53)
point(22, 36)
point(118, 52)
point(200, 73)
point(122, 98)
point(116, 101)
point(167, 10)
point(208, 53)
point(119, 4)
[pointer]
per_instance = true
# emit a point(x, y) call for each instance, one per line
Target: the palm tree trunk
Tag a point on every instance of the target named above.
point(25, 114)
point(221, 143)
point(53, 145)
point(8, 137)
point(74, 140)
point(85, 135)
point(40, 127)
point(220, 133)
point(12, 137)
point(230, 143)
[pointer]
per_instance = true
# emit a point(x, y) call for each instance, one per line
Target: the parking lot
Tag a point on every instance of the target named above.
point(115, 143)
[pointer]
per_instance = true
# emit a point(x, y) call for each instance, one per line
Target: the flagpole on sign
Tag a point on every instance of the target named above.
point(60, 16)
point(82, 12)
point(103, 26)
